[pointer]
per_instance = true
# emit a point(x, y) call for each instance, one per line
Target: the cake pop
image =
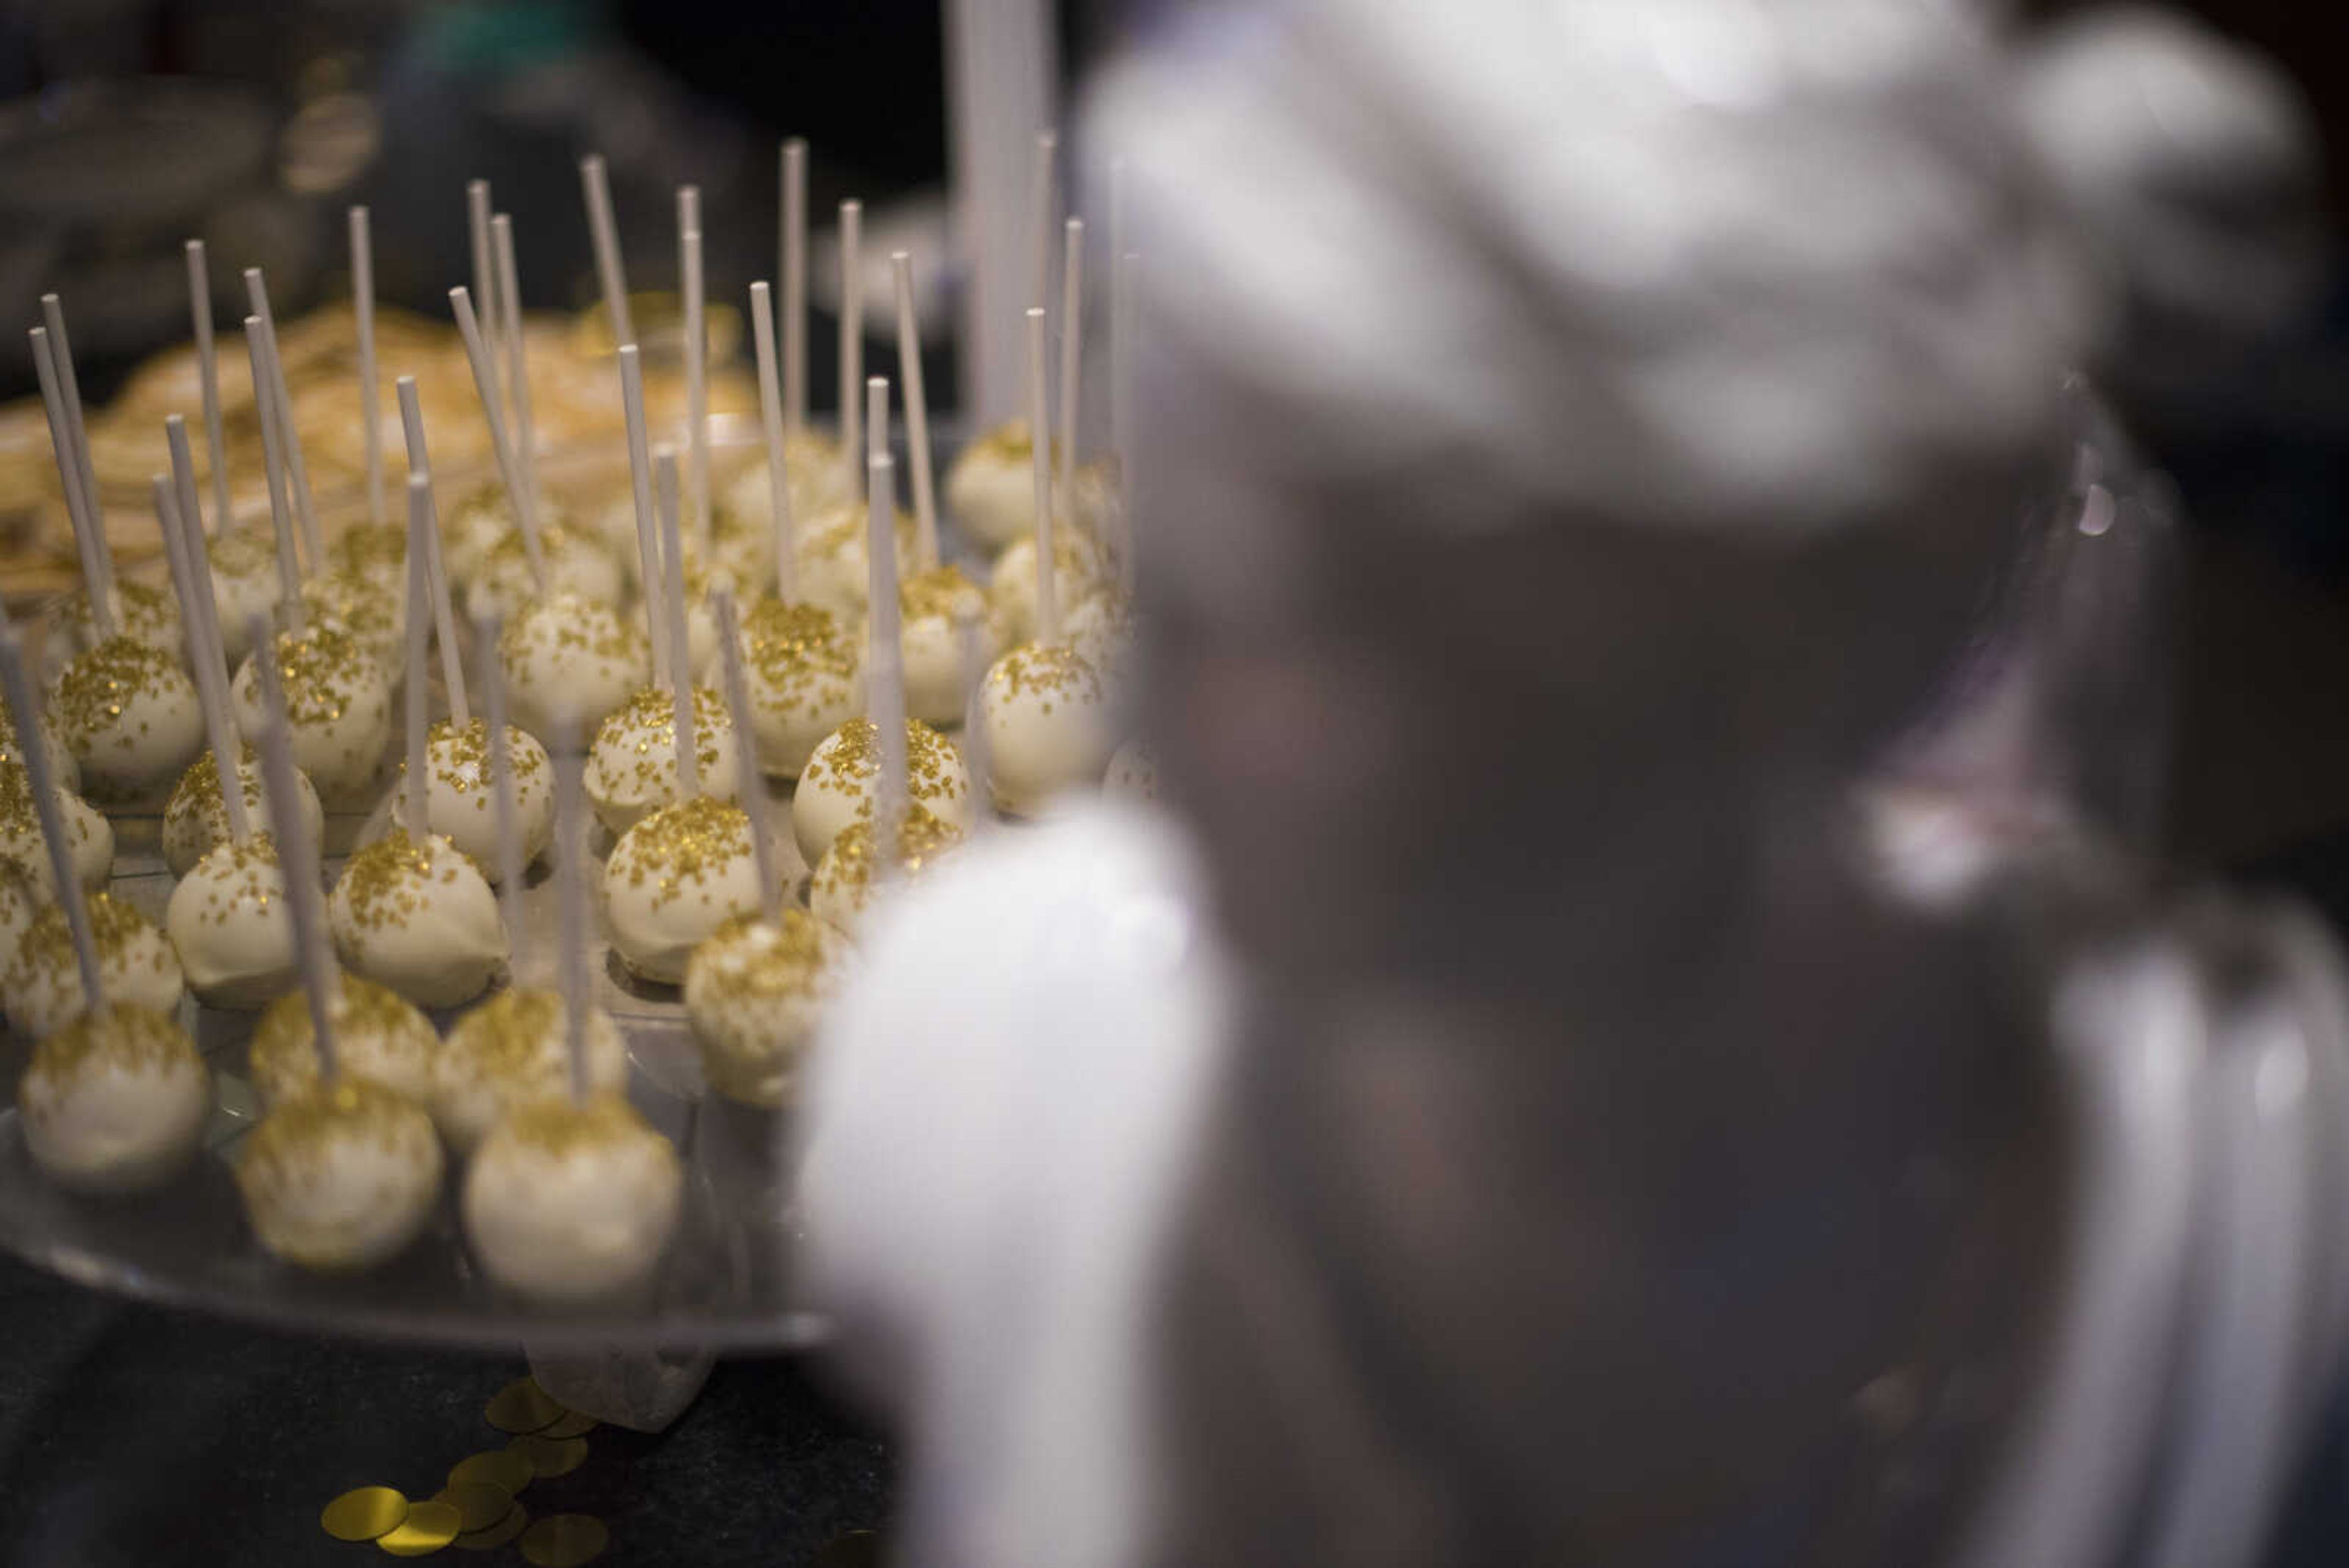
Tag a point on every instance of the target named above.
point(89, 838)
point(674, 878)
point(509, 1052)
point(345, 1170)
point(570, 661)
point(411, 910)
point(989, 489)
point(571, 1198)
point(837, 785)
point(502, 580)
point(227, 921)
point(378, 1034)
point(135, 961)
point(196, 819)
point(130, 716)
point(1077, 567)
point(853, 871)
point(114, 1101)
point(1042, 704)
point(62, 766)
point(338, 702)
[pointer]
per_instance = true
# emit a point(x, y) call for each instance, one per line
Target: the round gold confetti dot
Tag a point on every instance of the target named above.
point(564, 1541)
point(364, 1513)
point(517, 1521)
point(570, 1424)
point(498, 1467)
point(551, 1457)
point(428, 1528)
point(522, 1406)
point(478, 1504)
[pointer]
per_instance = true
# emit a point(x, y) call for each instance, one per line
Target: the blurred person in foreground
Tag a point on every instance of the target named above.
point(1540, 1097)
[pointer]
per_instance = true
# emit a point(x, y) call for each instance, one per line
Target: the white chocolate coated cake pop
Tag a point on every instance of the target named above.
point(417, 917)
point(852, 874)
point(511, 1051)
point(89, 838)
point(340, 1176)
point(673, 880)
point(837, 785)
point(631, 769)
point(988, 486)
point(144, 613)
point(229, 923)
point(1048, 726)
point(799, 663)
point(1012, 590)
point(195, 820)
point(378, 1034)
point(114, 1101)
point(569, 662)
point(130, 716)
point(575, 564)
point(753, 995)
point(833, 570)
point(244, 585)
point(338, 700)
point(572, 1204)
point(932, 604)
point(43, 991)
point(460, 801)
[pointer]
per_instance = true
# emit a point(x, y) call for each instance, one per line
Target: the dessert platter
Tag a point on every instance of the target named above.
point(416, 899)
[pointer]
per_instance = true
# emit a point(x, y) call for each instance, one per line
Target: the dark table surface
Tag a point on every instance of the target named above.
point(130, 1435)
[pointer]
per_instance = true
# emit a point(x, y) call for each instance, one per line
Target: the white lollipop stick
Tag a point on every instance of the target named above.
point(605, 230)
point(418, 796)
point(571, 928)
point(771, 417)
point(876, 415)
point(23, 707)
point(680, 677)
point(363, 307)
point(304, 507)
point(1048, 592)
point(502, 790)
point(289, 569)
point(885, 661)
point(485, 384)
point(696, 363)
point(89, 536)
point(199, 609)
point(1124, 303)
point(52, 316)
point(640, 487)
point(295, 856)
point(917, 415)
point(794, 262)
point(1072, 340)
point(751, 787)
point(195, 582)
point(1040, 205)
point(485, 266)
point(525, 425)
point(444, 620)
point(851, 339)
point(199, 305)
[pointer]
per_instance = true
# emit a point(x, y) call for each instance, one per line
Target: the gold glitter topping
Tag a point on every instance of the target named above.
point(246, 551)
point(516, 1038)
point(283, 1048)
point(1050, 671)
point(565, 620)
point(324, 669)
point(559, 1126)
point(46, 945)
point(942, 591)
point(637, 741)
point(391, 879)
point(97, 686)
point(119, 1035)
point(922, 840)
point(852, 757)
point(748, 960)
point(290, 1148)
point(368, 550)
point(245, 876)
point(461, 758)
point(350, 602)
point(788, 642)
point(17, 818)
point(680, 847)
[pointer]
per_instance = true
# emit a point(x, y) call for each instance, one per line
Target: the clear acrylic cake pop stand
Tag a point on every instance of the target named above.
point(726, 1281)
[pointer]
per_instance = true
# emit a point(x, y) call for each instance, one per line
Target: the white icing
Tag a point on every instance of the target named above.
point(382, 1036)
point(461, 806)
point(145, 730)
point(569, 1228)
point(107, 1125)
point(366, 1185)
point(341, 713)
point(632, 768)
point(655, 918)
point(140, 971)
point(568, 663)
point(1043, 740)
point(190, 831)
point(829, 798)
point(229, 921)
point(480, 1073)
point(754, 1015)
